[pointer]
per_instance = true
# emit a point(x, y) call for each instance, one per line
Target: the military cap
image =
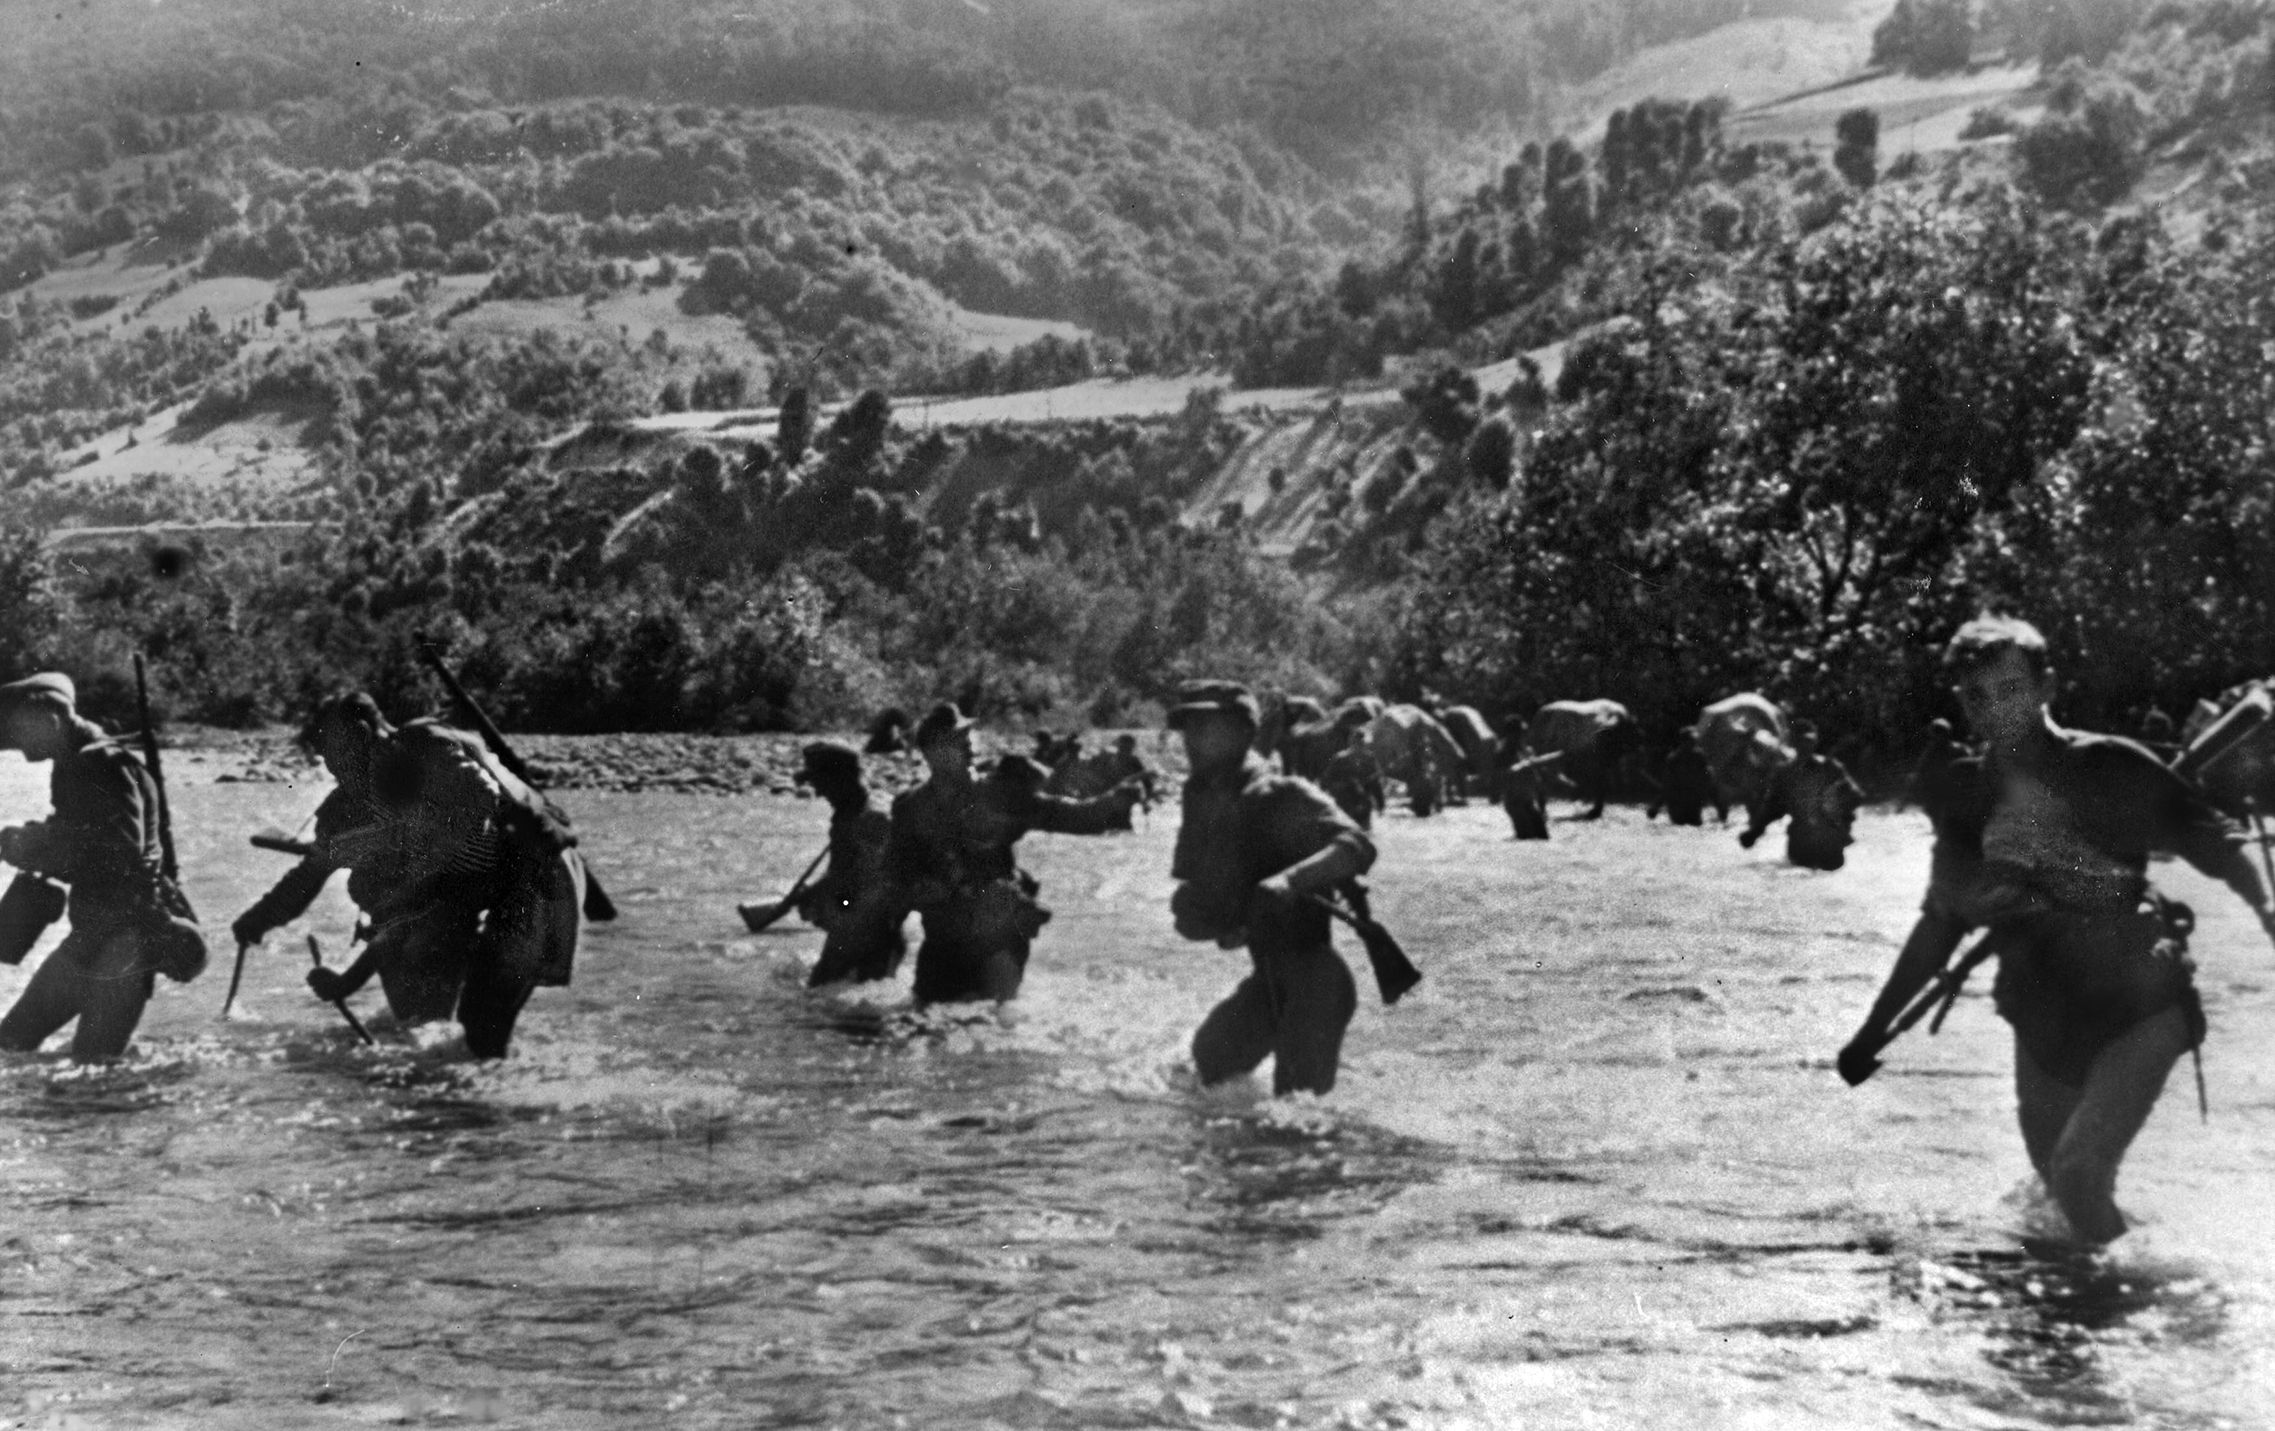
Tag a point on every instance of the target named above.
point(942, 720)
point(51, 684)
point(354, 707)
point(830, 759)
point(1220, 697)
point(46, 683)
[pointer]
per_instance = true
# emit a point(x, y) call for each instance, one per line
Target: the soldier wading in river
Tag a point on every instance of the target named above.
point(468, 879)
point(2046, 840)
point(851, 902)
point(1254, 847)
point(950, 858)
point(129, 920)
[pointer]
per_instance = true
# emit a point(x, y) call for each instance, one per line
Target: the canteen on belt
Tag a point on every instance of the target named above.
point(31, 904)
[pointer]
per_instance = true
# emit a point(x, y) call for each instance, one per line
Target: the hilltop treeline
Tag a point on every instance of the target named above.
point(85, 83)
point(1091, 162)
point(1524, 259)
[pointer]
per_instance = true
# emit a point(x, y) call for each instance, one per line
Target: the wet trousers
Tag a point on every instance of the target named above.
point(1528, 818)
point(528, 939)
point(100, 979)
point(864, 942)
point(1293, 1007)
point(952, 967)
point(976, 943)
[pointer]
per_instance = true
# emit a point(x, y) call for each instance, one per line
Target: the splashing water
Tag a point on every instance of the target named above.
point(1596, 1172)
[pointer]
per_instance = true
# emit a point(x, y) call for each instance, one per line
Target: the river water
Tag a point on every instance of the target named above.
point(1597, 1171)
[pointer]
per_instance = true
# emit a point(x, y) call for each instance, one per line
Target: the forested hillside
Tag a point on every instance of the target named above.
point(1818, 400)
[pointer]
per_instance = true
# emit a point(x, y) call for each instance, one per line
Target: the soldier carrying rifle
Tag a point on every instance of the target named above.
point(2045, 839)
point(1256, 858)
point(469, 880)
point(107, 840)
point(950, 858)
point(852, 901)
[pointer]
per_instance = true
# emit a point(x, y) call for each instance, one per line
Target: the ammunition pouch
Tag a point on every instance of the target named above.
point(995, 914)
point(1205, 914)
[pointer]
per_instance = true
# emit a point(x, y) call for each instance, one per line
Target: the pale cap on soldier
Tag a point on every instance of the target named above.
point(1196, 698)
point(51, 688)
point(940, 722)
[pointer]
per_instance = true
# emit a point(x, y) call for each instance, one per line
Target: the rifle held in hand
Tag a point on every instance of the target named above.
point(1394, 973)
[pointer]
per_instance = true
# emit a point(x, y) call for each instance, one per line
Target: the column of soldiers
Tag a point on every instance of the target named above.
point(468, 880)
point(471, 887)
point(1257, 854)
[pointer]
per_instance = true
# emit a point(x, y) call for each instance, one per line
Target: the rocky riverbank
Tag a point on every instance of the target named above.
point(696, 764)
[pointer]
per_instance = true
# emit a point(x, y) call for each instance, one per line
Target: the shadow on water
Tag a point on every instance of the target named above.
point(2052, 1315)
point(1267, 1174)
point(52, 1088)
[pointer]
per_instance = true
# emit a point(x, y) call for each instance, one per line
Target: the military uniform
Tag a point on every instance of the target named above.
point(1242, 825)
point(852, 901)
point(950, 858)
point(469, 881)
point(1688, 786)
point(2056, 865)
point(1124, 764)
point(1819, 799)
point(1524, 794)
point(1354, 782)
point(129, 921)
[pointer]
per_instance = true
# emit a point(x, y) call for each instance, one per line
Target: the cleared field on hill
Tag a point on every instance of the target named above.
point(1751, 63)
point(1925, 115)
point(266, 449)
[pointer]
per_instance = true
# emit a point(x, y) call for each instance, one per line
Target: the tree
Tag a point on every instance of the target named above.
point(1856, 152)
point(1568, 203)
point(1491, 452)
point(2086, 152)
point(794, 426)
point(29, 614)
point(1444, 403)
point(1925, 37)
point(1769, 481)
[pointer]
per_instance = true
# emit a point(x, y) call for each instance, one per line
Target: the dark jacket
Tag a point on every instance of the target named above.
point(858, 838)
point(102, 839)
point(1242, 827)
point(440, 821)
point(949, 839)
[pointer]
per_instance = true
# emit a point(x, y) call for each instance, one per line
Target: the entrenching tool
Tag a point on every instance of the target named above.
point(236, 975)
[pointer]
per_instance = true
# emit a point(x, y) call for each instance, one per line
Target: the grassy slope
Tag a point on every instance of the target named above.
point(1790, 79)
